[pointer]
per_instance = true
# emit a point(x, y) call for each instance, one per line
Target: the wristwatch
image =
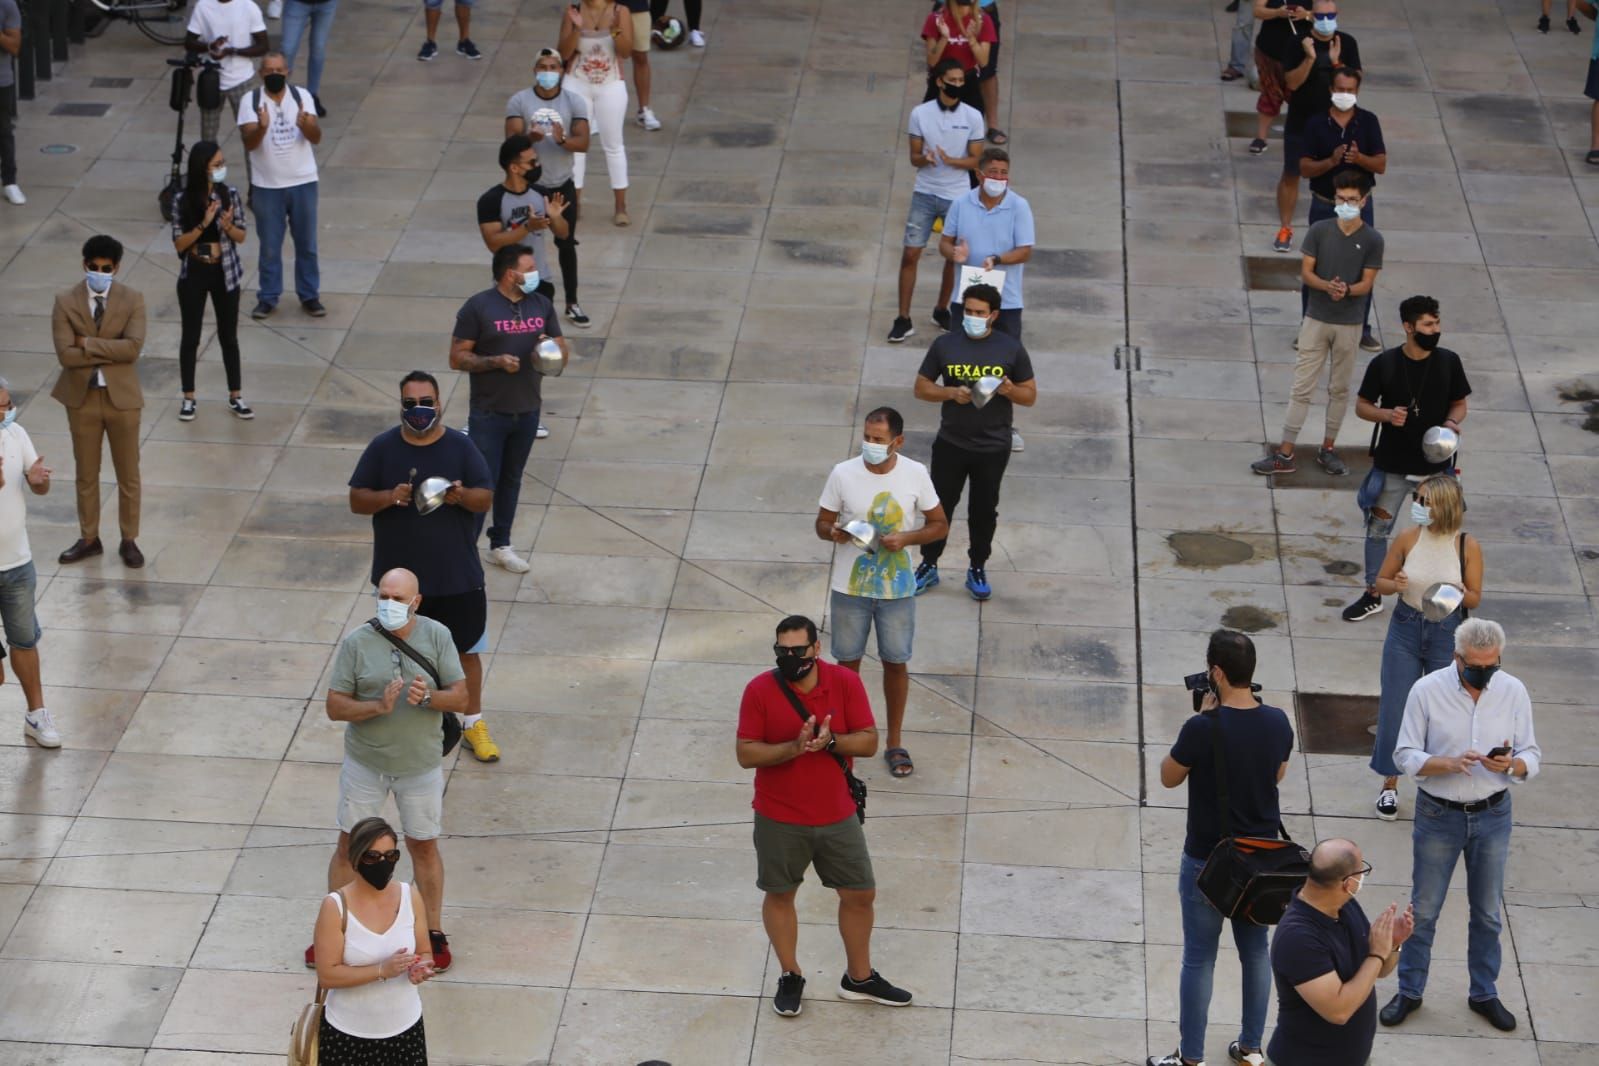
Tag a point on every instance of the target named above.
point(427, 701)
point(832, 743)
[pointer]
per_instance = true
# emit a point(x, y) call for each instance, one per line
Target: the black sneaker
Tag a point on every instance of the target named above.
point(941, 318)
point(1388, 804)
point(1275, 463)
point(902, 329)
point(1364, 607)
point(873, 990)
point(575, 315)
point(429, 50)
point(1173, 1059)
point(1369, 343)
point(1543, 23)
point(186, 410)
point(313, 307)
point(787, 1001)
point(1573, 25)
point(237, 405)
point(465, 47)
point(1329, 461)
point(262, 310)
point(1257, 146)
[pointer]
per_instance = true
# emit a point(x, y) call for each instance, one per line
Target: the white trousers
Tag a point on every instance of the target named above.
point(607, 115)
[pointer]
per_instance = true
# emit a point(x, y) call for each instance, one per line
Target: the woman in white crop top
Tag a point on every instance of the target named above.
point(595, 34)
point(1431, 551)
point(373, 1015)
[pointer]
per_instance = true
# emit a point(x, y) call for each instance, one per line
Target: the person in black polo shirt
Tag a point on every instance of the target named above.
point(1322, 959)
point(1308, 61)
point(1346, 137)
point(1256, 742)
point(1406, 391)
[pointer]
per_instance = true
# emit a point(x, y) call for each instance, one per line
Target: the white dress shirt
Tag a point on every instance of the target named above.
point(1441, 719)
point(97, 379)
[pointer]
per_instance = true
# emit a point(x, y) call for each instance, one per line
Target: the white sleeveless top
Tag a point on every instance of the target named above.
point(596, 62)
point(377, 1009)
point(1433, 559)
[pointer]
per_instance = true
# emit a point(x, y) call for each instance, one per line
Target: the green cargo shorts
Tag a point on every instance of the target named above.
point(838, 851)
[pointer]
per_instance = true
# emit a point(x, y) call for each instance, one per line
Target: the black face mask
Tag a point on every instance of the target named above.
point(377, 874)
point(793, 668)
point(274, 82)
point(419, 419)
point(1477, 676)
point(949, 97)
point(532, 175)
point(1428, 341)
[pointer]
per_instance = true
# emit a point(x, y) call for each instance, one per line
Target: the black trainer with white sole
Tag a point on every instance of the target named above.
point(1363, 608)
point(875, 989)
point(787, 1002)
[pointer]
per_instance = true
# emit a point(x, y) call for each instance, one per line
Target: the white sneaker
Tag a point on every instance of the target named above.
point(40, 728)
point(541, 432)
point(275, 9)
point(696, 38)
point(1016, 442)
point(506, 558)
point(14, 194)
point(647, 119)
point(1174, 1059)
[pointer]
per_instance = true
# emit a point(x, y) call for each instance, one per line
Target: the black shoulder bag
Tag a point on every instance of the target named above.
point(452, 722)
point(1249, 879)
point(857, 787)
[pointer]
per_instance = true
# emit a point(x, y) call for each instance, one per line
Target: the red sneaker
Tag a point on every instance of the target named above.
point(310, 957)
point(441, 950)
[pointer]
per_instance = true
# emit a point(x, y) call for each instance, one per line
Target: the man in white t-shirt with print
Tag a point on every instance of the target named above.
point(896, 497)
point(946, 138)
point(233, 33)
point(279, 126)
point(19, 464)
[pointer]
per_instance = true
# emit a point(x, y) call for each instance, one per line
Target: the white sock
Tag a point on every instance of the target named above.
point(470, 720)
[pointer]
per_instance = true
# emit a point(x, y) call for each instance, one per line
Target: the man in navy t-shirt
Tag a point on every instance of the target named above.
point(1256, 742)
point(440, 548)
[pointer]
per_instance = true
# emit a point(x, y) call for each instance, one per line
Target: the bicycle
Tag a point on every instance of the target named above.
point(163, 21)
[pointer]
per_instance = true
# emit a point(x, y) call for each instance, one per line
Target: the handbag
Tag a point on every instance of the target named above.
point(305, 1037)
point(1249, 879)
point(857, 787)
point(452, 721)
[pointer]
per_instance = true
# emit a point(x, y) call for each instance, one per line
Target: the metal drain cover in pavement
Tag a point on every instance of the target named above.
point(80, 109)
point(1273, 273)
point(1310, 475)
point(110, 83)
point(1331, 724)
point(58, 149)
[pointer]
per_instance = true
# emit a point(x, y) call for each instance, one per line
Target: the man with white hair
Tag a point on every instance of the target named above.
point(1466, 738)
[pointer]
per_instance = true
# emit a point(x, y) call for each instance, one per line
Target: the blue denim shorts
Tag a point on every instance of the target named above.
point(852, 617)
point(925, 208)
point(16, 606)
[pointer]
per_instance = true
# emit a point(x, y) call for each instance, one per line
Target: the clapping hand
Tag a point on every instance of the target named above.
point(1382, 932)
point(1337, 288)
point(557, 130)
point(1335, 49)
point(574, 16)
point(38, 473)
point(555, 204)
point(1404, 925)
point(218, 46)
point(306, 121)
point(391, 692)
point(823, 735)
point(416, 691)
point(400, 962)
point(211, 210)
point(420, 971)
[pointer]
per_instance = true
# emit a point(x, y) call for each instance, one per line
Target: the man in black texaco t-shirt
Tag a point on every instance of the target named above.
point(1407, 390)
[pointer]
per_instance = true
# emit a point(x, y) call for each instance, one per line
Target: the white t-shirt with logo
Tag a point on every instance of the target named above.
point(17, 454)
point(952, 131)
point(237, 20)
point(284, 157)
point(894, 503)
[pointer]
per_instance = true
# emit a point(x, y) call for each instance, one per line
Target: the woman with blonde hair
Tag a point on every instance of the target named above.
point(1434, 550)
point(373, 926)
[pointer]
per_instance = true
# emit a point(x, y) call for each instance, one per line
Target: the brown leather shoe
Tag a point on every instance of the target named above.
point(131, 555)
point(80, 551)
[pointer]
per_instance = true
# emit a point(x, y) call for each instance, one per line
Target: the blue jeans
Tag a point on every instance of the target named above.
point(1320, 210)
point(296, 16)
point(1201, 934)
point(853, 617)
point(292, 209)
point(1395, 487)
point(505, 441)
point(16, 606)
point(1414, 647)
point(1439, 837)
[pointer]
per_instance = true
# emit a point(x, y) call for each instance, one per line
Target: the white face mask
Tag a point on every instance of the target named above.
point(393, 614)
point(1347, 212)
point(1344, 101)
point(996, 186)
point(1360, 882)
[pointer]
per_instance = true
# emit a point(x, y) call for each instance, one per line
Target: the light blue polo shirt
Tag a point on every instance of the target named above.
point(1009, 225)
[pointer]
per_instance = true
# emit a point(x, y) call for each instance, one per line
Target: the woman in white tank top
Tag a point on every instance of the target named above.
point(373, 1015)
point(1433, 550)
point(595, 34)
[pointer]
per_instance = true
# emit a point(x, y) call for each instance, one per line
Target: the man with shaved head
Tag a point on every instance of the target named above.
point(1321, 958)
point(394, 735)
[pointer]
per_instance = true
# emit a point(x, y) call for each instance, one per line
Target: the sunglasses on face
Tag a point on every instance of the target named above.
point(409, 402)
point(371, 858)
point(792, 651)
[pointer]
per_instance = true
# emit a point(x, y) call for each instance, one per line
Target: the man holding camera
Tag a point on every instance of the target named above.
point(1256, 742)
point(1467, 739)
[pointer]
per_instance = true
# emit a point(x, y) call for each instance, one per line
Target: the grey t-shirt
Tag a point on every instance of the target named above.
point(567, 107)
point(10, 19)
point(1338, 256)
point(496, 326)
point(510, 209)
point(407, 740)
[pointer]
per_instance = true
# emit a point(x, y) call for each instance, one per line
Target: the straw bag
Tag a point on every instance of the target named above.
point(305, 1037)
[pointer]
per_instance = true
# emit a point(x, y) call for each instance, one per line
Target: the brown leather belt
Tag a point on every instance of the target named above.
point(199, 257)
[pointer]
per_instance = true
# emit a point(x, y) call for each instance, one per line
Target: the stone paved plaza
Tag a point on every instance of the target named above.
point(159, 875)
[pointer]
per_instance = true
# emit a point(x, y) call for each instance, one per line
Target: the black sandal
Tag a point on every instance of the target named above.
point(997, 136)
point(899, 762)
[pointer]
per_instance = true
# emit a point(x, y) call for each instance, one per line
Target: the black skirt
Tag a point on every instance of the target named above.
point(336, 1048)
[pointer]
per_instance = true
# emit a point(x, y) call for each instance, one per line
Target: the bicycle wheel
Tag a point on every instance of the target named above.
point(163, 25)
point(95, 18)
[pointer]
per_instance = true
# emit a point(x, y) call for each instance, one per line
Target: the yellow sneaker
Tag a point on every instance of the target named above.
point(477, 738)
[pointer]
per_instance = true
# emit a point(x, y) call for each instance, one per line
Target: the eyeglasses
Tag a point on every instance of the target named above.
point(372, 858)
point(792, 651)
point(409, 402)
point(1365, 869)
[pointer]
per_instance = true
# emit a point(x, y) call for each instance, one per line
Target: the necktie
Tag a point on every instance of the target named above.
point(99, 310)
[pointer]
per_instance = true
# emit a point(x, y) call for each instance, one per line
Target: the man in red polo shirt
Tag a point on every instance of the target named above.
point(804, 812)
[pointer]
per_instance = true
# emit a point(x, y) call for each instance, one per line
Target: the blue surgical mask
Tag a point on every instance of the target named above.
point(219, 175)
point(975, 325)
point(547, 79)
point(11, 416)
point(530, 281)
point(1346, 212)
point(1328, 25)
point(98, 282)
point(874, 453)
point(1420, 513)
point(393, 614)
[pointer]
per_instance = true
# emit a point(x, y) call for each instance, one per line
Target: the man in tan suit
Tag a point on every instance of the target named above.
point(98, 328)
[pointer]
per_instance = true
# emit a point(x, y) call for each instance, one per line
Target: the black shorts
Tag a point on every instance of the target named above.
point(990, 68)
point(1293, 148)
point(1592, 89)
point(465, 615)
